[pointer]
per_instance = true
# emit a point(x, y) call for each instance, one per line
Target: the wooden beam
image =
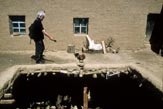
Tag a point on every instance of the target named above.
point(103, 47)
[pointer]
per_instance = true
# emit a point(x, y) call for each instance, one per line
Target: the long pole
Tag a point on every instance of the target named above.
point(85, 98)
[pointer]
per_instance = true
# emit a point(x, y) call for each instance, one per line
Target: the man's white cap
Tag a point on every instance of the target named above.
point(41, 14)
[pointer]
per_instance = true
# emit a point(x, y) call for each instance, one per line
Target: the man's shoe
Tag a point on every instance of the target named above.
point(34, 57)
point(42, 57)
point(40, 62)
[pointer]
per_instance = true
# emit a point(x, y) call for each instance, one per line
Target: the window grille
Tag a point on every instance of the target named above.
point(80, 25)
point(17, 25)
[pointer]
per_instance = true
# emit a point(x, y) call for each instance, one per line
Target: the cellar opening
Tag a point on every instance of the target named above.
point(56, 90)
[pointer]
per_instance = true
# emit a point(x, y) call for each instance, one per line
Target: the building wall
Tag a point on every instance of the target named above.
point(124, 20)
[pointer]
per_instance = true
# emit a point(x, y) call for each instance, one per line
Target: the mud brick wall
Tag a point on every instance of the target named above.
point(124, 20)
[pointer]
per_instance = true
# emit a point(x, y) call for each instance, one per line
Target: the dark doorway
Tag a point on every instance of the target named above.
point(156, 39)
point(151, 20)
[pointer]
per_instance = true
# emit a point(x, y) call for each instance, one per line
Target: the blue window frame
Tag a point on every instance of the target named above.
point(80, 25)
point(17, 25)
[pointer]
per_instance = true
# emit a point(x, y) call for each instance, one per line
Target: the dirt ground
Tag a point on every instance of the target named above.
point(143, 57)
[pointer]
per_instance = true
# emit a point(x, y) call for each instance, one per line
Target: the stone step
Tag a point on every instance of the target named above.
point(8, 96)
point(7, 102)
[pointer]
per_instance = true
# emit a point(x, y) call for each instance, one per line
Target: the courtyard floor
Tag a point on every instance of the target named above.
point(144, 58)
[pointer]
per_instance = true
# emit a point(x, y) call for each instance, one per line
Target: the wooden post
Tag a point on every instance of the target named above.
point(85, 98)
point(103, 47)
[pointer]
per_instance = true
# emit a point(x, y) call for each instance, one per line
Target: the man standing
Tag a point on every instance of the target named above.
point(38, 33)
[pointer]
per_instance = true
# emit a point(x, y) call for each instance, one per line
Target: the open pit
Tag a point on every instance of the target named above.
point(69, 87)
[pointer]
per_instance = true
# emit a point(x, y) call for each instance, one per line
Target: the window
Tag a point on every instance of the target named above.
point(80, 25)
point(17, 25)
